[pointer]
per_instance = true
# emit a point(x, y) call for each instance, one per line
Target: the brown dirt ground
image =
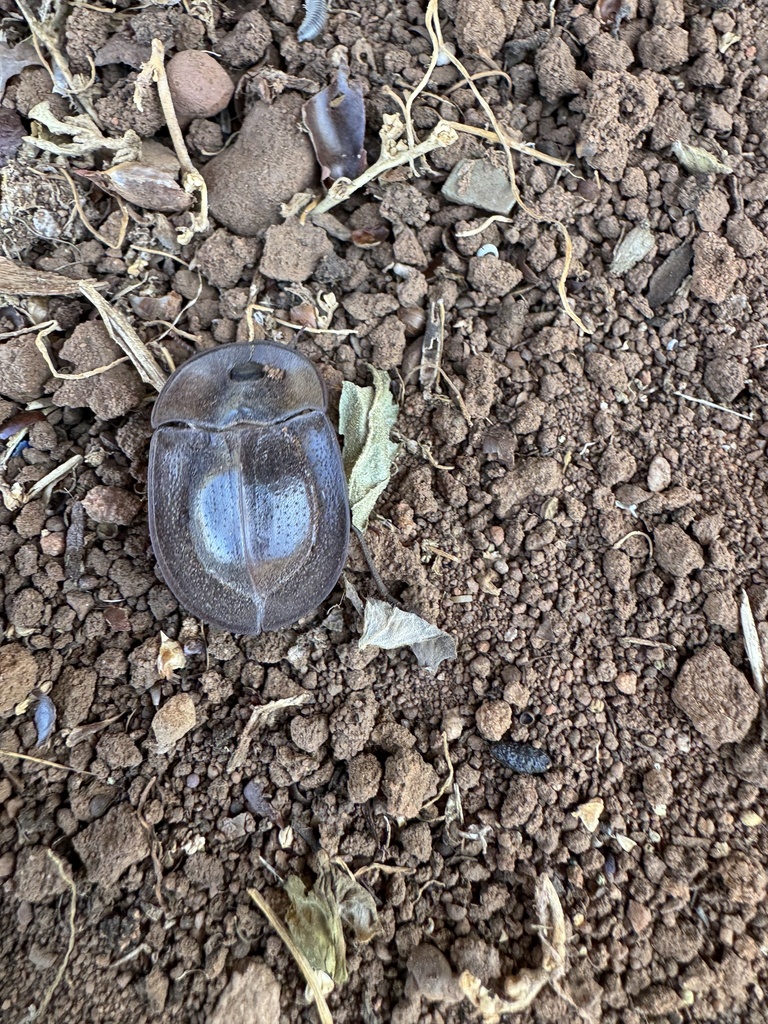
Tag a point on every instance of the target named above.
point(587, 547)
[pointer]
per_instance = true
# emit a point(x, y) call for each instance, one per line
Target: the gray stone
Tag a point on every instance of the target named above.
point(479, 183)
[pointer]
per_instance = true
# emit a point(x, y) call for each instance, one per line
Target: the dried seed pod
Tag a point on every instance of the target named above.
point(143, 186)
point(521, 757)
point(633, 248)
point(413, 318)
point(369, 238)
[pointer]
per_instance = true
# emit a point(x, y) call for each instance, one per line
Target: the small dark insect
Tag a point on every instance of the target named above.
point(521, 757)
point(314, 20)
point(248, 508)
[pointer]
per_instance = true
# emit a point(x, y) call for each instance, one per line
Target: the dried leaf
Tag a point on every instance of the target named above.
point(389, 628)
point(366, 416)
point(315, 925)
point(625, 842)
point(171, 657)
point(335, 120)
point(357, 909)
point(589, 813)
point(698, 161)
point(316, 918)
point(634, 247)
point(14, 59)
point(144, 186)
point(85, 136)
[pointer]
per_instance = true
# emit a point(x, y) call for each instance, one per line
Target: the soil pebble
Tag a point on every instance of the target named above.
point(480, 183)
point(292, 250)
point(173, 721)
point(199, 85)
point(37, 878)
point(717, 698)
point(675, 552)
point(109, 846)
point(252, 996)
point(269, 162)
point(408, 783)
point(18, 676)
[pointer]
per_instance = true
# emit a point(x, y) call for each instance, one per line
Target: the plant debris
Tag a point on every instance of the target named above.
point(698, 161)
point(389, 628)
point(633, 248)
point(366, 417)
point(335, 120)
point(144, 186)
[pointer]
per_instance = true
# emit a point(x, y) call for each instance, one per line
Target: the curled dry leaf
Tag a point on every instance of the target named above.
point(698, 161)
point(144, 186)
point(366, 417)
point(335, 120)
point(389, 628)
point(171, 657)
point(633, 248)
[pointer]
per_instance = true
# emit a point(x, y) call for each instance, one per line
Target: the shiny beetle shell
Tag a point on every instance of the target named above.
point(248, 507)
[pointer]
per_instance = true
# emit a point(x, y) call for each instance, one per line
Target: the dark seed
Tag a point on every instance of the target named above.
point(521, 757)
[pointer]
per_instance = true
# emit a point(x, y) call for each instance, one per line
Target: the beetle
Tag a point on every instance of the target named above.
point(248, 507)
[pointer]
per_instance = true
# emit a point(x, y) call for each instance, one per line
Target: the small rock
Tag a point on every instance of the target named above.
point(37, 878)
point(109, 394)
point(174, 719)
point(528, 477)
point(520, 802)
point(112, 844)
point(18, 676)
point(493, 276)
point(626, 682)
point(292, 250)
point(716, 697)
point(659, 474)
point(156, 985)
point(715, 267)
point(199, 85)
point(309, 733)
point(408, 783)
point(252, 996)
point(676, 552)
point(480, 183)
point(269, 162)
point(722, 610)
point(556, 70)
point(725, 379)
point(363, 778)
point(119, 750)
point(493, 718)
point(430, 975)
point(639, 916)
point(111, 505)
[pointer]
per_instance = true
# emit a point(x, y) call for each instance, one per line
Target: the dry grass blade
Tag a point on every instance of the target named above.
point(191, 179)
point(524, 148)
point(67, 879)
point(303, 964)
point(124, 221)
point(69, 376)
point(23, 281)
point(258, 715)
point(123, 334)
point(755, 655)
point(41, 760)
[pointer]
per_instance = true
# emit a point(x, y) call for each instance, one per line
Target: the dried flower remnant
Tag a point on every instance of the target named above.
point(143, 186)
point(696, 160)
point(335, 120)
point(314, 20)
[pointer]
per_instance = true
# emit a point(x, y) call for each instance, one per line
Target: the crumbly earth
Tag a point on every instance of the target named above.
point(584, 522)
